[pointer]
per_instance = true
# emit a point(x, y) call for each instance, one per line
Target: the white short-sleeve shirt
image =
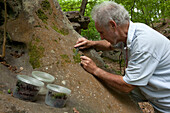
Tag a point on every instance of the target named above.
point(149, 64)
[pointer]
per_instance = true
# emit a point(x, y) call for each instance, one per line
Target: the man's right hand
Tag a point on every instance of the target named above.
point(83, 43)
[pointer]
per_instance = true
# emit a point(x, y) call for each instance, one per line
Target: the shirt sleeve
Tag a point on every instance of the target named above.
point(141, 67)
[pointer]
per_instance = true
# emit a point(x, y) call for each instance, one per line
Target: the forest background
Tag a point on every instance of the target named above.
point(149, 12)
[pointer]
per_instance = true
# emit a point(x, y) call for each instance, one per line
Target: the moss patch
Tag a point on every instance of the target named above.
point(59, 95)
point(62, 31)
point(42, 15)
point(35, 53)
point(46, 27)
point(76, 57)
point(37, 26)
point(45, 5)
point(65, 58)
point(56, 41)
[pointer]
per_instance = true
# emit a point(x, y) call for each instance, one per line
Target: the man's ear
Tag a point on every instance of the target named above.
point(112, 23)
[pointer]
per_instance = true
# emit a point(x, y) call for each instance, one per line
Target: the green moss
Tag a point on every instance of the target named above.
point(37, 26)
point(106, 66)
point(37, 39)
point(46, 27)
point(45, 5)
point(42, 16)
point(35, 53)
point(56, 41)
point(109, 107)
point(62, 31)
point(57, 62)
point(76, 57)
point(1, 92)
point(118, 72)
point(65, 58)
point(59, 95)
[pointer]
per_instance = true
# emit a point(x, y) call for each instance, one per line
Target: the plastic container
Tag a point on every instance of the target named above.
point(44, 77)
point(57, 95)
point(27, 88)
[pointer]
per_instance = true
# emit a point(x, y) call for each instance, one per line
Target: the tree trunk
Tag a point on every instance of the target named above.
point(42, 39)
point(83, 7)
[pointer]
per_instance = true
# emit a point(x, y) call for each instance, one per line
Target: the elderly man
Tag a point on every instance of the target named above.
point(148, 67)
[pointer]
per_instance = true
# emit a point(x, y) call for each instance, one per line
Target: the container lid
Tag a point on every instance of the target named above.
point(42, 76)
point(30, 80)
point(58, 88)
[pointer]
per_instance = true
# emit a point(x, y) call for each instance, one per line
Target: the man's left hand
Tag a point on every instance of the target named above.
point(88, 64)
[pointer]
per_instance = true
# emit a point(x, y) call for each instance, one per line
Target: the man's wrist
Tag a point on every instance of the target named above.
point(93, 43)
point(96, 71)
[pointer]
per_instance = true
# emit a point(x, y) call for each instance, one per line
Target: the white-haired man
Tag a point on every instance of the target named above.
point(148, 67)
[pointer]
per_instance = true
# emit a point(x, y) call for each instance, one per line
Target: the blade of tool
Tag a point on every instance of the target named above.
point(77, 50)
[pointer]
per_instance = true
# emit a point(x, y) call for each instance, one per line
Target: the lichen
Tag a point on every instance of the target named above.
point(35, 53)
point(42, 15)
point(62, 31)
point(28, 6)
point(65, 58)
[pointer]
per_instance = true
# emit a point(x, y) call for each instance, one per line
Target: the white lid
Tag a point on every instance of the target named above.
point(30, 80)
point(42, 76)
point(58, 88)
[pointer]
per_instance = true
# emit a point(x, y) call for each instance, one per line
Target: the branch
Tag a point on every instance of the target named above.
point(83, 7)
point(4, 42)
point(132, 10)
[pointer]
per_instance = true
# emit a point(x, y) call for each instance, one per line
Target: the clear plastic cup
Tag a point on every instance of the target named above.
point(44, 77)
point(27, 88)
point(57, 96)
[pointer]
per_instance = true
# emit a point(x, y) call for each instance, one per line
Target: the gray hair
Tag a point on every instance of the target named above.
point(110, 10)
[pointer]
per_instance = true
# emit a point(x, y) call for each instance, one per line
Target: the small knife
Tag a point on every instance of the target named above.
point(77, 50)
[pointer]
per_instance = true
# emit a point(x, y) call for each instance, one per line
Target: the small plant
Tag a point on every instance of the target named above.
point(9, 91)
point(60, 96)
point(57, 99)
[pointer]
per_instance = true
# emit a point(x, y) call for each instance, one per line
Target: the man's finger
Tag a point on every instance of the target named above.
point(84, 58)
point(80, 44)
point(80, 40)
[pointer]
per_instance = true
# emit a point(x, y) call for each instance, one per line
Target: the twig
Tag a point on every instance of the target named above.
point(4, 42)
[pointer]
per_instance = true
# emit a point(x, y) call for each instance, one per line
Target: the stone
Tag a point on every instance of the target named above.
point(36, 38)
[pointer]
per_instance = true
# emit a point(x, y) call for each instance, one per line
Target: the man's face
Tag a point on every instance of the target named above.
point(108, 33)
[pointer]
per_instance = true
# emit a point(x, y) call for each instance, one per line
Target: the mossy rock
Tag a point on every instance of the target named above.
point(40, 13)
point(35, 53)
point(61, 31)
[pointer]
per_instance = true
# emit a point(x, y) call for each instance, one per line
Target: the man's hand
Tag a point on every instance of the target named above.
point(88, 64)
point(83, 43)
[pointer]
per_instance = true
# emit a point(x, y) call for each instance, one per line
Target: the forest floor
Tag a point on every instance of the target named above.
point(145, 106)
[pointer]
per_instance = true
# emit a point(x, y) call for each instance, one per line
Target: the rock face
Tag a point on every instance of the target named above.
point(41, 38)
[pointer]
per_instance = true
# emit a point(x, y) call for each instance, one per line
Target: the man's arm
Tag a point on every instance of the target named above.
point(113, 80)
point(83, 43)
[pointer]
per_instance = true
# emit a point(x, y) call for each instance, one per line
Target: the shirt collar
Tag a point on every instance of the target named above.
point(131, 32)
